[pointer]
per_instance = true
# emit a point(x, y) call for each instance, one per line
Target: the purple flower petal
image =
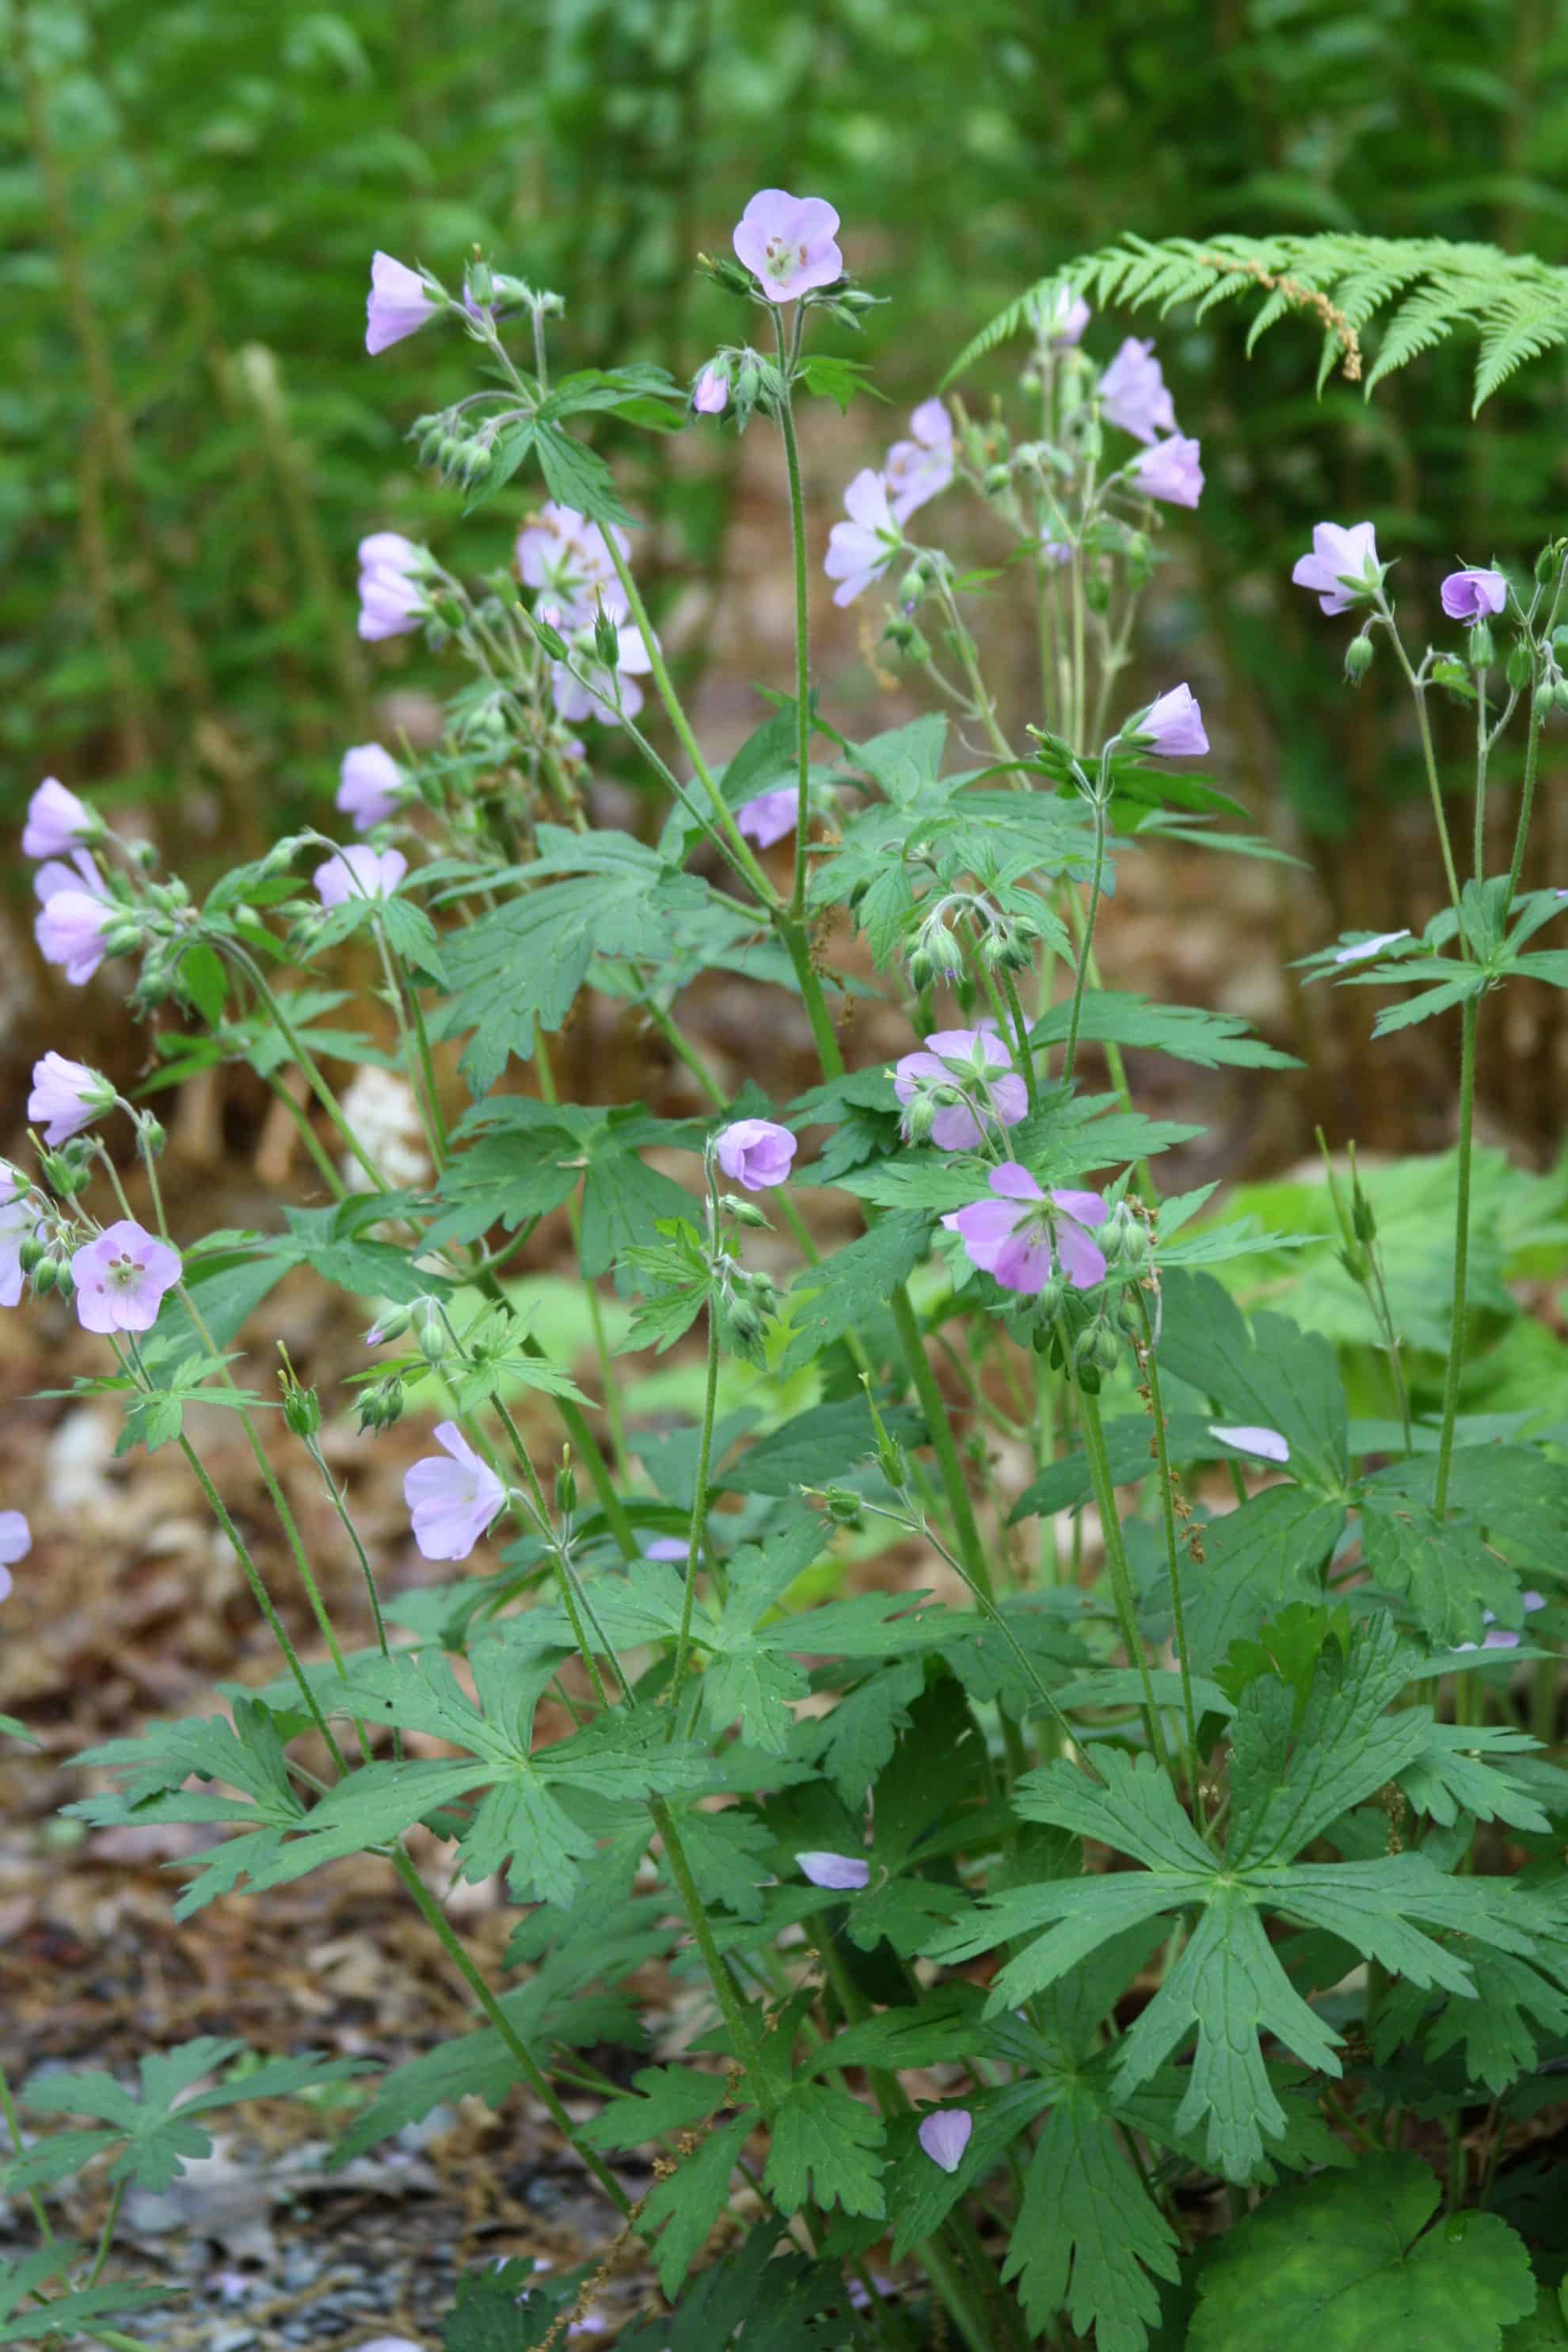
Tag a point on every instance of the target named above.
point(944, 2135)
point(842, 1873)
point(755, 1153)
point(1267, 1444)
point(787, 243)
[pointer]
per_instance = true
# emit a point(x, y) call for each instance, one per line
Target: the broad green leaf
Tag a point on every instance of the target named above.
point(1447, 1574)
point(826, 1300)
point(1187, 1032)
point(825, 2147)
point(1088, 2235)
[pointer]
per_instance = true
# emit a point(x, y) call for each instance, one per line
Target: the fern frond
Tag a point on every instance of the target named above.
point(1410, 294)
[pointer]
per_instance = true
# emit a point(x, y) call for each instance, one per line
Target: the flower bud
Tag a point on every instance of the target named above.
point(565, 1485)
point(1107, 1348)
point(911, 587)
point(996, 479)
point(46, 1274)
point(922, 972)
point(893, 1464)
point(1560, 693)
point(1362, 1217)
point(1483, 653)
point(430, 1331)
point(843, 1505)
point(1358, 657)
point(150, 1132)
point(1355, 1262)
point(744, 1320)
point(727, 273)
point(123, 936)
point(31, 1252)
point(302, 1409)
point(554, 644)
point(1546, 564)
point(607, 640)
point(381, 1406)
point(1519, 667)
point(744, 1213)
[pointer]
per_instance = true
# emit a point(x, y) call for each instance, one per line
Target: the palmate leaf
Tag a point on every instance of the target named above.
point(1187, 1032)
point(1088, 2238)
point(826, 1300)
point(68, 2312)
point(1355, 2261)
point(826, 2145)
point(1516, 305)
point(1229, 1984)
point(1450, 1577)
point(766, 2300)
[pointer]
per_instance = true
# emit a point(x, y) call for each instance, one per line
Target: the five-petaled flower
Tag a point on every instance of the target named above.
point(399, 304)
point(859, 550)
point(842, 1874)
point(67, 1097)
point(585, 688)
point(1134, 393)
point(1021, 1235)
point(1170, 470)
point(451, 1503)
point(787, 243)
point(392, 601)
point(1342, 569)
point(919, 469)
point(58, 822)
point(568, 557)
point(370, 785)
point(16, 1543)
point(1172, 727)
point(121, 1277)
point(359, 871)
point(965, 1080)
point(755, 1153)
point(944, 2135)
point(769, 817)
point(1470, 594)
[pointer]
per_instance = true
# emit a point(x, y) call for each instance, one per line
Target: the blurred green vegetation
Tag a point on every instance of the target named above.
point(192, 439)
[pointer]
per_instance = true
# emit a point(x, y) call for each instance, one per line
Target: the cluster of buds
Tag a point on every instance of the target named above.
point(461, 450)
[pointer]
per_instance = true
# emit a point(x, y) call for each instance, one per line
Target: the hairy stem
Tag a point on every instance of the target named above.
point(1470, 1022)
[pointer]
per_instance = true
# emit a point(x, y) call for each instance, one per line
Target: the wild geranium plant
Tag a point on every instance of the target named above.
point(1166, 1942)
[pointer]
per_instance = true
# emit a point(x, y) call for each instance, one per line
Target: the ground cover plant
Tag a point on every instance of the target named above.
point(1193, 1817)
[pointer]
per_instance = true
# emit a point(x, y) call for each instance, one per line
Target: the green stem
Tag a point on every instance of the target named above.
point(607, 1380)
point(1470, 1020)
point(106, 2235)
point(802, 623)
point(1429, 754)
point(532, 2075)
point(307, 1063)
point(797, 945)
point(934, 1410)
point(13, 2125)
point(1025, 1052)
point(736, 2010)
point(1526, 798)
point(1116, 1560)
point(1172, 1552)
point(1481, 745)
point(1086, 943)
point(699, 1517)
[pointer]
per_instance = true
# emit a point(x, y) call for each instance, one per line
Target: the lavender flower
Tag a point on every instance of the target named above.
point(859, 550)
point(370, 785)
point(755, 1153)
point(768, 817)
point(1065, 320)
point(844, 1874)
point(1019, 1236)
point(76, 914)
point(1171, 727)
point(19, 1213)
point(961, 1062)
point(1171, 471)
point(68, 1096)
point(919, 469)
point(710, 392)
point(399, 304)
point(58, 822)
point(120, 1278)
point(391, 600)
point(1133, 394)
point(1342, 569)
point(787, 243)
point(1500, 1639)
point(944, 2135)
point(1467, 595)
point(1266, 1443)
point(16, 1543)
point(601, 693)
point(451, 1503)
point(568, 557)
point(667, 1547)
point(358, 872)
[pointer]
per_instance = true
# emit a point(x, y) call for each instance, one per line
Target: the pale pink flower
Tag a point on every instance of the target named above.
point(1065, 319)
point(710, 392)
point(787, 243)
point(1467, 595)
point(859, 550)
point(451, 1503)
point(1020, 1235)
point(944, 2135)
point(1266, 1443)
point(370, 785)
point(567, 557)
point(973, 1062)
point(391, 600)
point(1133, 393)
point(842, 1873)
point(768, 817)
point(359, 871)
point(399, 304)
point(755, 1153)
point(600, 693)
point(16, 1543)
point(1342, 569)
point(58, 822)
point(667, 1547)
point(19, 1212)
point(77, 912)
point(919, 469)
point(67, 1097)
point(1170, 471)
point(120, 1278)
point(1173, 725)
